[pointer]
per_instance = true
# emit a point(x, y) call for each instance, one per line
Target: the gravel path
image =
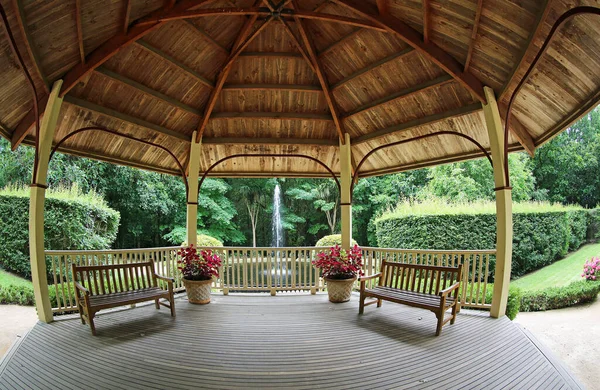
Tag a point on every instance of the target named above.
point(14, 322)
point(573, 334)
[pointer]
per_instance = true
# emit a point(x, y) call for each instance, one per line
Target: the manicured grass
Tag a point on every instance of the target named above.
point(560, 273)
point(6, 279)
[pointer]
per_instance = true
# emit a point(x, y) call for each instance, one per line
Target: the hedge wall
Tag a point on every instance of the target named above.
point(593, 230)
point(69, 224)
point(539, 238)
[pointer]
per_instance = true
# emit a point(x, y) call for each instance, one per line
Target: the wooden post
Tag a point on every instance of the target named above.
point(346, 196)
point(37, 198)
point(504, 225)
point(192, 199)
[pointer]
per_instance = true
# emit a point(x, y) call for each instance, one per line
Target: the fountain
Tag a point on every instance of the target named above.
point(277, 227)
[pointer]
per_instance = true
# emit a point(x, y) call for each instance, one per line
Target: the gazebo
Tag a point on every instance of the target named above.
point(293, 88)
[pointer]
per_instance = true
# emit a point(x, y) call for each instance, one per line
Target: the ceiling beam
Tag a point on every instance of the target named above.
point(126, 16)
point(473, 34)
point(21, 21)
point(312, 53)
point(401, 94)
point(204, 12)
point(79, 30)
point(272, 87)
point(519, 130)
point(207, 38)
point(296, 14)
point(108, 112)
point(343, 39)
point(268, 141)
point(148, 91)
point(427, 120)
point(270, 54)
point(415, 39)
point(159, 53)
point(26, 124)
point(271, 115)
point(426, 20)
point(375, 65)
point(243, 39)
point(383, 7)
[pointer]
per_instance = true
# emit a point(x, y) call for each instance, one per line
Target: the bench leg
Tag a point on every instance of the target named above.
point(440, 323)
point(91, 321)
point(172, 301)
point(361, 305)
point(379, 302)
point(157, 304)
point(455, 310)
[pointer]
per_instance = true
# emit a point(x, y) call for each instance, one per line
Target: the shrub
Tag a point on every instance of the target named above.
point(332, 240)
point(19, 295)
point(70, 223)
point(559, 297)
point(593, 229)
point(205, 240)
point(591, 269)
point(541, 233)
point(578, 223)
point(513, 305)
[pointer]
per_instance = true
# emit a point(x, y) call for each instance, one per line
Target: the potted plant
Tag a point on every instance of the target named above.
point(340, 269)
point(198, 270)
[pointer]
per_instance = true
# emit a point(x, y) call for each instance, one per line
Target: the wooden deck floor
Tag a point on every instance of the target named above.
point(301, 342)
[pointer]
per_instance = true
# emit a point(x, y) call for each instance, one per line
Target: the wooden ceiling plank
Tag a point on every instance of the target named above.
point(205, 12)
point(270, 54)
point(268, 141)
point(26, 124)
point(427, 120)
point(333, 18)
point(312, 53)
point(299, 46)
point(519, 130)
point(271, 115)
point(375, 65)
point(243, 39)
point(474, 31)
point(426, 20)
point(148, 91)
point(79, 30)
point(401, 94)
point(321, 6)
point(108, 112)
point(207, 38)
point(383, 7)
point(272, 87)
point(415, 39)
point(544, 12)
point(20, 16)
point(203, 80)
point(126, 16)
point(343, 39)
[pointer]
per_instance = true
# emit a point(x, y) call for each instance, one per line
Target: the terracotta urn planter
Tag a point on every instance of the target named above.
point(198, 291)
point(339, 290)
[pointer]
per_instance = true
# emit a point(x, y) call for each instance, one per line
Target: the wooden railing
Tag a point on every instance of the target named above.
point(268, 269)
point(477, 267)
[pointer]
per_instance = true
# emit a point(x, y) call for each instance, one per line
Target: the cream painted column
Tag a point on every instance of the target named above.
point(37, 197)
point(192, 199)
point(346, 195)
point(504, 224)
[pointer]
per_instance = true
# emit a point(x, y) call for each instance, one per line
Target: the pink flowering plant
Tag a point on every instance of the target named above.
point(337, 263)
point(198, 266)
point(591, 269)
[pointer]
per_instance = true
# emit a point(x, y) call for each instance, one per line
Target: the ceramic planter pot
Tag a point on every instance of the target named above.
point(339, 290)
point(198, 291)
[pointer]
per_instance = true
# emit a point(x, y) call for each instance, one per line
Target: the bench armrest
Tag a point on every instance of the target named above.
point(449, 289)
point(164, 278)
point(365, 278)
point(80, 287)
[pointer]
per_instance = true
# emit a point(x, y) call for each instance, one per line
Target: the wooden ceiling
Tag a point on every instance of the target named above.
point(290, 77)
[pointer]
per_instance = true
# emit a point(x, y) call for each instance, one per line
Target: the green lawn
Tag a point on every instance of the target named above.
point(6, 278)
point(560, 273)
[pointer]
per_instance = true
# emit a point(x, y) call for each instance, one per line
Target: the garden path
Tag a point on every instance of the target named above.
point(573, 335)
point(15, 321)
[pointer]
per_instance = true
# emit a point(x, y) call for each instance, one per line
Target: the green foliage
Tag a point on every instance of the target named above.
point(578, 223)
point(513, 305)
point(18, 295)
point(203, 240)
point(593, 231)
point(332, 240)
point(558, 297)
point(542, 233)
point(70, 223)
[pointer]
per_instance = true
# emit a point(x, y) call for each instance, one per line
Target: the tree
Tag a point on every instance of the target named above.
point(253, 193)
point(324, 196)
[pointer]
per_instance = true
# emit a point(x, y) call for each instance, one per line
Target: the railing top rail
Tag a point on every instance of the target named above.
point(432, 251)
point(265, 248)
point(109, 251)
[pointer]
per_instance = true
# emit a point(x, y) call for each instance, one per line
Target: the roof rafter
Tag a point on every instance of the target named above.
point(268, 141)
point(383, 7)
point(400, 95)
point(519, 130)
point(426, 20)
point(340, 41)
point(243, 39)
point(312, 53)
point(271, 115)
point(299, 46)
point(79, 30)
point(427, 120)
point(473, 34)
point(126, 16)
point(415, 39)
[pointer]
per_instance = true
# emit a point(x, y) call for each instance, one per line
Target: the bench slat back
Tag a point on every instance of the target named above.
point(115, 278)
point(424, 279)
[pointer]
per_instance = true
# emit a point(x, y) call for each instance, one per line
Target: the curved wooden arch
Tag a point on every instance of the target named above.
point(269, 155)
point(364, 159)
point(584, 10)
point(97, 128)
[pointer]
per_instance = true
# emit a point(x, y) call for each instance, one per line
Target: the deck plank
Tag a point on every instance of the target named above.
point(299, 342)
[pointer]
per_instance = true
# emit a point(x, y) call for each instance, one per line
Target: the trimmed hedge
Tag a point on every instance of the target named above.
point(539, 238)
point(205, 240)
point(593, 221)
point(559, 297)
point(69, 224)
point(332, 240)
point(19, 295)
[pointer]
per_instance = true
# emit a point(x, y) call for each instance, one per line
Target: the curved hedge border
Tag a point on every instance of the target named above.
point(69, 224)
point(539, 238)
point(582, 291)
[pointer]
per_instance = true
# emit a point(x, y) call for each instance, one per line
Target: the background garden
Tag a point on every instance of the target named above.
point(96, 205)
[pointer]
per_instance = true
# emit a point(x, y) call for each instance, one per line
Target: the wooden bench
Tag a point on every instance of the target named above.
point(104, 286)
point(428, 287)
